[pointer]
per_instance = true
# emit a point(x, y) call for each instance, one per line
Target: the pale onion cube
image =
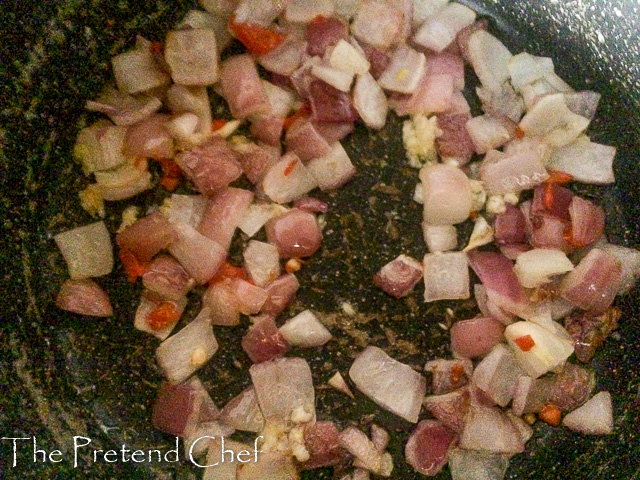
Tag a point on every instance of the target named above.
point(440, 238)
point(137, 71)
point(536, 267)
point(305, 330)
point(347, 58)
point(261, 262)
point(549, 349)
point(446, 276)
point(192, 56)
point(87, 250)
point(594, 417)
point(333, 169)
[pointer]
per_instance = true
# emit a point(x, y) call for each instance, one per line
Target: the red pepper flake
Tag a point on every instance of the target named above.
point(519, 133)
point(172, 173)
point(133, 267)
point(162, 316)
point(228, 270)
point(258, 39)
point(157, 48)
point(218, 123)
point(289, 168)
point(559, 178)
point(302, 112)
point(525, 342)
point(550, 414)
point(567, 235)
point(456, 373)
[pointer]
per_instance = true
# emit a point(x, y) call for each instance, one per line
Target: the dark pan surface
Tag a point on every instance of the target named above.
point(63, 376)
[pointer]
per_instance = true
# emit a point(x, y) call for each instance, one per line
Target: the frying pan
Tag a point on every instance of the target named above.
point(62, 375)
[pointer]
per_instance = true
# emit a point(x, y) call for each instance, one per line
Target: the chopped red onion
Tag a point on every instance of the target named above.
point(377, 58)
point(427, 447)
point(454, 141)
point(394, 386)
point(180, 355)
point(508, 173)
point(211, 166)
point(87, 250)
point(311, 204)
point(261, 262)
point(257, 215)
point(510, 226)
point(593, 418)
point(583, 103)
point(184, 209)
point(446, 194)
point(334, 131)
point(192, 56)
point(124, 182)
point(267, 129)
point(217, 470)
point(377, 23)
point(150, 138)
point(287, 179)
point(124, 109)
point(322, 441)
point(451, 409)
point(166, 277)
point(585, 161)
point(338, 79)
point(242, 88)
point(250, 298)
point(629, 259)
point(587, 222)
point(594, 283)
point(242, 412)
point(305, 140)
point(439, 30)
point(256, 160)
point(305, 330)
point(525, 68)
point(223, 213)
point(200, 256)
point(488, 429)
point(404, 72)
point(281, 292)
point(149, 301)
point(261, 12)
point(348, 58)
point(85, 297)
point(100, 146)
point(380, 437)
point(270, 465)
point(333, 169)
point(329, 104)
point(324, 32)
point(176, 406)
point(475, 337)
point(264, 341)
point(301, 11)
point(284, 388)
point(496, 375)
point(370, 101)
point(549, 232)
point(295, 233)
point(501, 102)
point(399, 277)
point(448, 375)
point(195, 100)
point(446, 276)
point(136, 71)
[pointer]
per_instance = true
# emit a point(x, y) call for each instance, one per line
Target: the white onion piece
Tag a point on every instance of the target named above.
point(338, 382)
point(200, 256)
point(394, 386)
point(370, 101)
point(525, 68)
point(551, 119)
point(504, 173)
point(137, 71)
point(404, 72)
point(257, 215)
point(358, 445)
point(124, 109)
point(216, 21)
point(477, 465)
point(378, 23)
point(303, 11)
point(338, 79)
point(197, 437)
point(192, 56)
point(585, 161)
point(440, 238)
point(489, 58)
point(182, 99)
point(261, 262)
point(223, 470)
point(347, 58)
point(446, 194)
point(438, 31)
point(280, 100)
point(243, 412)
point(535, 267)
point(305, 330)
point(583, 103)
point(629, 259)
point(488, 132)
point(502, 101)
point(284, 387)
point(446, 276)
point(84, 297)
point(100, 146)
point(285, 58)
point(287, 180)
point(549, 351)
point(180, 355)
point(148, 302)
point(422, 9)
point(496, 375)
point(489, 429)
point(594, 417)
point(221, 304)
point(186, 209)
point(332, 170)
point(87, 250)
point(399, 276)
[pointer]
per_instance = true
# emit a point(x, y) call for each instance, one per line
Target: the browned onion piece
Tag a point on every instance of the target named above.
point(147, 236)
point(295, 233)
point(426, 450)
point(85, 297)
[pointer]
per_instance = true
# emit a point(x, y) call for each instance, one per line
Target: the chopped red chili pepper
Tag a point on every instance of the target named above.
point(133, 267)
point(228, 270)
point(163, 315)
point(289, 168)
point(525, 342)
point(550, 414)
point(258, 39)
point(456, 373)
point(303, 111)
point(218, 123)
